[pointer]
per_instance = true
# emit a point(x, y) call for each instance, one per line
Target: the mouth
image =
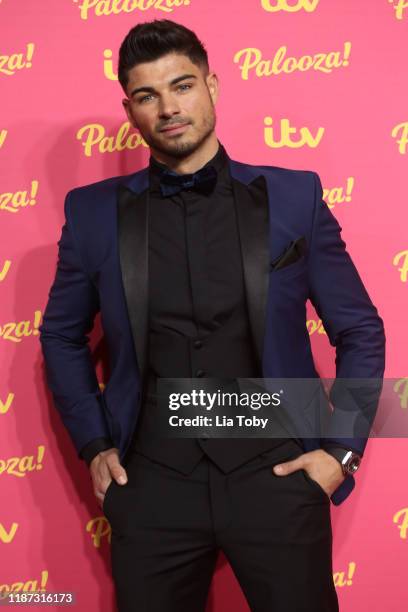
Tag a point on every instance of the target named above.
point(175, 129)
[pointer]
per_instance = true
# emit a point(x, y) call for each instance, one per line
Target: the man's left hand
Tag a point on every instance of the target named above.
point(319, 465)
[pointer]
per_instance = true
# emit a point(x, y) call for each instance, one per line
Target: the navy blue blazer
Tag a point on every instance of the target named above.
point(102, 266)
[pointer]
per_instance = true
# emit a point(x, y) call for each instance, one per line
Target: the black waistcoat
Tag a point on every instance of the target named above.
point(198, 320)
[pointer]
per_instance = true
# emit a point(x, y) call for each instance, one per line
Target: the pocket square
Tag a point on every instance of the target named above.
point(292, 253)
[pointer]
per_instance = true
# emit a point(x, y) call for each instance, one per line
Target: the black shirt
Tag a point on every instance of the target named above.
point(195, 282)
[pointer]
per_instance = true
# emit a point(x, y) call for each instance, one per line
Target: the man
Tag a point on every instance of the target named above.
point(201, 267)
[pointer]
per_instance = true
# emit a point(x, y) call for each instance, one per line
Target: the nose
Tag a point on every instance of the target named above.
point(168, 106)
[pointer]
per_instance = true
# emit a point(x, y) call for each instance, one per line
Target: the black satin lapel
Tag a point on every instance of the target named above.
point(252, 207)
point(133, 254)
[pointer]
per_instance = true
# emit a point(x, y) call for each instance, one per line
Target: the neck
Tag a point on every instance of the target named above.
point(193, 162)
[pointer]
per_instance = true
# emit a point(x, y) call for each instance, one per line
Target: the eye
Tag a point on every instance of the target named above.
point(144, 98)
point(188, 85)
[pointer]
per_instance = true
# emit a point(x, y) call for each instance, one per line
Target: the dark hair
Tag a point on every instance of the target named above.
point(151, 40)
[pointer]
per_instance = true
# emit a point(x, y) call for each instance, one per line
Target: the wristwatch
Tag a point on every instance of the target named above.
point(349, 460)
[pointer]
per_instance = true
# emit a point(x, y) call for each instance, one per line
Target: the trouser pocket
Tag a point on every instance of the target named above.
point(314, 484)
point(107, 496)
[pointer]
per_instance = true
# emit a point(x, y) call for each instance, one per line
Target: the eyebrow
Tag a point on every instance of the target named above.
point(172, 82)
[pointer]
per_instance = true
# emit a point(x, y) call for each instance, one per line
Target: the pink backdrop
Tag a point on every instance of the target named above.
point(334, 73)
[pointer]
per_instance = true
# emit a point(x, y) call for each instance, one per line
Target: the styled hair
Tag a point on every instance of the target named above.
point(151, 40)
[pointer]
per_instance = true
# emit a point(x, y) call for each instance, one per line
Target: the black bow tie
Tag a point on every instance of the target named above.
point(203, 180)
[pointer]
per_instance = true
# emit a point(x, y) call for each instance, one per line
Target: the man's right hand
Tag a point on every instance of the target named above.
point(104, 468)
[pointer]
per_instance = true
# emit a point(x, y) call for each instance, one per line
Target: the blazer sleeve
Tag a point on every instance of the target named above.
point(94, 447)
point(353, 326)
point(73, 302)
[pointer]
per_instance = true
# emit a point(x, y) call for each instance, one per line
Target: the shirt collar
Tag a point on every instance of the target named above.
point(219, 161)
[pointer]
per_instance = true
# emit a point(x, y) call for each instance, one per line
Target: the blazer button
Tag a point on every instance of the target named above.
point(198, 344)
point(200, 373)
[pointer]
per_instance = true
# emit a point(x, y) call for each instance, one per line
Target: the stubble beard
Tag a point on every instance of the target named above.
point(177, 148)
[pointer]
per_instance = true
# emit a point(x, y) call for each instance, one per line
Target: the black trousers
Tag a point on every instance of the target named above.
point(168, 528)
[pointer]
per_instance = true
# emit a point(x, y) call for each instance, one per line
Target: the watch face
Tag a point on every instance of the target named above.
point(353, 463)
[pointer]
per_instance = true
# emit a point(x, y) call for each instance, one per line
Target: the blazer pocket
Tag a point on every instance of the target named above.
point(294, 252)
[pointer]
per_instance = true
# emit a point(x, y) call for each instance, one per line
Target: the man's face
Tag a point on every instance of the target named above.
point(171, 91)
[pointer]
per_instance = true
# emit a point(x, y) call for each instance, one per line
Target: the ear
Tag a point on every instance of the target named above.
point(213, 87)
point(126, 106)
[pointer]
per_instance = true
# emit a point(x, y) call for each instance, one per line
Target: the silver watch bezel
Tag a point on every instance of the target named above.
point(351, 462)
